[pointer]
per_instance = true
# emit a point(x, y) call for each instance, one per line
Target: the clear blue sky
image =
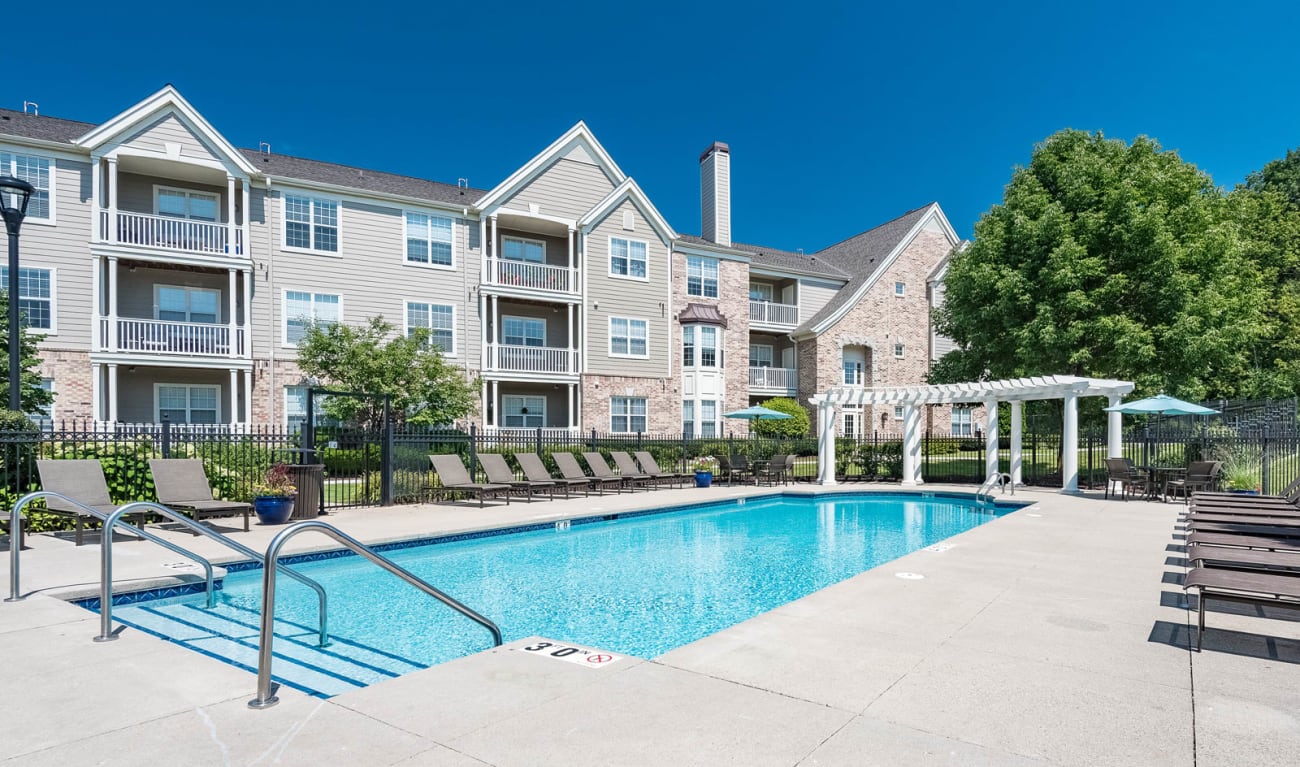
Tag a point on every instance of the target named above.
point(839, 116)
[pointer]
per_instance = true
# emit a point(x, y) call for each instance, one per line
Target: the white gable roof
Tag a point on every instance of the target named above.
point(628, 190)
point(579, 136)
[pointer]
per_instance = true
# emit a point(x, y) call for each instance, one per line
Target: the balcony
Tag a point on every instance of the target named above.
point(779, 380)
point(167, 337)
point(504, 358)
point(531, 276)
point(775, 315)
point(175, 234)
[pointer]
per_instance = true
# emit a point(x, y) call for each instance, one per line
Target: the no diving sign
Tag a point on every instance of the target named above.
point(579, 655)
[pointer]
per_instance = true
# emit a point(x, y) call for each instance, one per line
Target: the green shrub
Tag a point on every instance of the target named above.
point(797, 425)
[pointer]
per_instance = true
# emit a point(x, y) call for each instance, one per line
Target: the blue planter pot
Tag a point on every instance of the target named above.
point(1244, 492)
point(273, 509)
point(703, 479)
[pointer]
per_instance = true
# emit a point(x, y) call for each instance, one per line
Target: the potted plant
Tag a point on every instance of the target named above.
point(1241, 472)
point(704, 467)
point(273, 497)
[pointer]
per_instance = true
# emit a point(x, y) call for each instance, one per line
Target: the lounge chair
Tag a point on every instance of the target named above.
point(1290, 494)
point(601, 469)
point(455, 479)
point(83, 481)
point(1122, 471)
point(182, 485)
point(1201, 475)
point(536, 471)
point(650, 466)
point(499, 473)
point(1249, 588)
point(1229, 558)
point(570, 469)
point(733, 467)
point(1267, 543)
point(629, 469)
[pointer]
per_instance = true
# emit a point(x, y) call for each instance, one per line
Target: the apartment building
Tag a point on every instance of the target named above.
point(170, 275)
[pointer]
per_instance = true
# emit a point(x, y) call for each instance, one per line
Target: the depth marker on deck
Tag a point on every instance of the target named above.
point(580, 655)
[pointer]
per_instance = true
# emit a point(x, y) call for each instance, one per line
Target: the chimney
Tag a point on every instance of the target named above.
point(715, 194)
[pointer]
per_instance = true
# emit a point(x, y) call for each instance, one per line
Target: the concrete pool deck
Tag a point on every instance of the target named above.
point(1055, 635)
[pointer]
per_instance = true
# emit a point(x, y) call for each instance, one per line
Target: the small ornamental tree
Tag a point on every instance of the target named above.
point(797, 425)
point(33, 397)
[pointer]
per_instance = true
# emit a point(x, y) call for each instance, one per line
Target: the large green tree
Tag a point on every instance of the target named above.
point(372, 358)
point(33, 397)
point(1107, 259)
point(1281, 176)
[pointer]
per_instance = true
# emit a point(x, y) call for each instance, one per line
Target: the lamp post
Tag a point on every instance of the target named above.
point(14, 196)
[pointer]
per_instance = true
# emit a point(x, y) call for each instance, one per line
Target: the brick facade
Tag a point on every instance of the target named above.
point(73, 385)
point(663, 405)
point(733, 304)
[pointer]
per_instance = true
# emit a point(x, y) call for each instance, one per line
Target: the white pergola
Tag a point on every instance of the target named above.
point(987, 393)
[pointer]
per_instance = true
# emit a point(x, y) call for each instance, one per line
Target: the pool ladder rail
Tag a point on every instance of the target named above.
point(999, 480)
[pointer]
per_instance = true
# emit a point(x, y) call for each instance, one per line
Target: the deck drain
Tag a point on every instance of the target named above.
point(909, 576)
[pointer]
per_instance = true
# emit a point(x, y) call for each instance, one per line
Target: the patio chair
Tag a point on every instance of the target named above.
point(536, 471)
point(650, 466)
point(182, 485)
point(1248, 588)
point(601, 469)
point(1201, 475)
point(628, 468)
point(499, 473)
point(455, 479)
point(570, 469)
point(1122, 471)
point(732, 467)
point(772, 471)
point(83, 481)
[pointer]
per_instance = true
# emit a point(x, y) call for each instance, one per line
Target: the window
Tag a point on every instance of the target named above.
point(523, 412)
point(627, 338)
point(36, 171)
point(760, 292)
point(181, 304)
point(688, 417)
point(900, 289)
point(523, 331)
point(311, 223)
point(708, 418)
point(702, 276)
point(44, 416)
point(852, 422)
point(179, 403)
point(627, 258)
point(852, 372)
point(760, 356)
point(184, 203)
point(961, 421)
point(302, 309)
point(899, 349)
point(517, 249)
point(35, 295)
point(699, 342)
point(627, 415)
point(428, 239)
point(438, 319)
point(898, 412)
point(295, 409)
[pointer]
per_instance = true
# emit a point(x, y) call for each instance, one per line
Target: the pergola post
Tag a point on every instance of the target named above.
point(1070, 445)
point(1017, 457)
point(826, 443)
point(911, 444)
point(990, 438)
point(1114, 429)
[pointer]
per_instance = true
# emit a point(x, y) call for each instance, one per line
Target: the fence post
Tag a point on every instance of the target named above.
point(473, 450)
point(683, 458)
point(166, 445)
point(539, 442)
point(592, 446)
point(638, 440)
point(386, 456)
point(1264, 479)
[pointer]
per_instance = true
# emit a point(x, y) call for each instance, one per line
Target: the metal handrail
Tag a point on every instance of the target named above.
point(106, 564)
point(999, 480)
point(15, 544)
point(265, 691)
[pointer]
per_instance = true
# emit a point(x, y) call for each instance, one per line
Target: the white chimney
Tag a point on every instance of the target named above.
point(715, 194)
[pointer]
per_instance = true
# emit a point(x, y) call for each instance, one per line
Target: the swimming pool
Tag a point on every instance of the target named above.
point(636, 584)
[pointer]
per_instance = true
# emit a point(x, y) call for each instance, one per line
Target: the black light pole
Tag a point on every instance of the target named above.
point(14, 196)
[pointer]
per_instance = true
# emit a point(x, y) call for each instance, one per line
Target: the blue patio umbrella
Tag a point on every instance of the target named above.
point(757, 413)
point(1161, 404)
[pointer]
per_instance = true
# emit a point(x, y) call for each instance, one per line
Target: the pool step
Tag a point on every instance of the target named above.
point(231, 634)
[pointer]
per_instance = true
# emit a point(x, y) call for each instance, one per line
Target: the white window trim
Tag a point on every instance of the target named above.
point(526, 240)
point(610, 262)
point(284, 313)
point(771, 354)
point(284, 223)
point(697, 335)
point(157, 302)
point(501, 332)
point(900, 353)
point(454, 351)
point(187, 192)
point(157, 410)
point(717, 277)
point(29, 221)
point(406, 235)
point(899, 413)
point(609, 329)
point(897, 285)
point(770, 289)
point(505, 397)
point(628, 416)
point(53, 329)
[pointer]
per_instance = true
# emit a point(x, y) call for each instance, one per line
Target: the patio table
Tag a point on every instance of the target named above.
point(1159, 476)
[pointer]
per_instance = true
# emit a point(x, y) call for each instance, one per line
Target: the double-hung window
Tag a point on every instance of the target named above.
point(961, 421)
point(627, 337)
point(688, 417)
point(186, 203)
point(523, 412)
point(759, 291)
point(301, 309)
point(181, 304)
point(702, 276)
point(428, 239)
point(627, 258)
point(627, 415)
point(438, 319)
point(519, 249)
point(523, 331)
point(311, 223)
point(35, 295)
point(181, 403)
point(708, 418)
point(37, 171)
point(760, 356)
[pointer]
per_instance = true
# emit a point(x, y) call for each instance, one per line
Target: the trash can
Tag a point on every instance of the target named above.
point(309, 478)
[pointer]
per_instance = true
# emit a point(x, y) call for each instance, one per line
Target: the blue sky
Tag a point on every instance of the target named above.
point(839, 116)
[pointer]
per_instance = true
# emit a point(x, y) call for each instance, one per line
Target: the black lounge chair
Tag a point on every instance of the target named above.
point(1249, 588)
point(455, 479)
point(536, 471)
point(628, 468)
point(601, 469)
point(182, 484)
point(83, 481)
point(1289, 494)
point(570, 469)
point(1267, 543)
point(1229, 558)
point(499, 473)
point(650, 466)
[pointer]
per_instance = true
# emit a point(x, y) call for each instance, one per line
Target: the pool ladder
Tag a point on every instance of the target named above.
point(999, 480)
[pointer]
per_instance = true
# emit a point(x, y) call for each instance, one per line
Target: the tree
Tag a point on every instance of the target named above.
point(1280, 176)
point(1111, 260)
point(32, 396)
point(425, 389)
point(797, 425)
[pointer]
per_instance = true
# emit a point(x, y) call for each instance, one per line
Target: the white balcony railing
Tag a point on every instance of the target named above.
point(784, 379)
point(519, 432)
point(172, 233)
point(167, 337)
point(768, 313)
point(531, 359)
point(523, 274)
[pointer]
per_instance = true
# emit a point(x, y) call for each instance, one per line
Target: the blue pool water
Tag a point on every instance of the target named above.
point(641, 585)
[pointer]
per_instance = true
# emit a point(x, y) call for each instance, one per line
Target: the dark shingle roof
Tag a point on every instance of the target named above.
point(785, 260)
point(16, 123)
point(285, 166)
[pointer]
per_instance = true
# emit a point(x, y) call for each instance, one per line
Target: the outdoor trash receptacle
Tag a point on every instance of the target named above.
point(309, 478)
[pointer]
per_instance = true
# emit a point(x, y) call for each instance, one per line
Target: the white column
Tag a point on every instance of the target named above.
point(573, 352)
point(112, 393)
point(493, 254)
point(112, 304)
point(826, 444)
point(231, 325)
point(911, 444)
point(990, 438)
point(1114, 429)
point(1017, 455)
point(97, 307)
point(494, 340)
point(573, 273)
point(97, 203)
point(496, 403)
point(112, 199)
point(483, 250)
point(248, 397)
point(243, 225)
point(572, 412)
point(483, 400)
point(234, 395)
point(1070, 445)
point(96, 396)
point(230, 216)
point(247, 324)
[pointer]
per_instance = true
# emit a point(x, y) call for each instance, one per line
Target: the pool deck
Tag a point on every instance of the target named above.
point(1055, 635)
